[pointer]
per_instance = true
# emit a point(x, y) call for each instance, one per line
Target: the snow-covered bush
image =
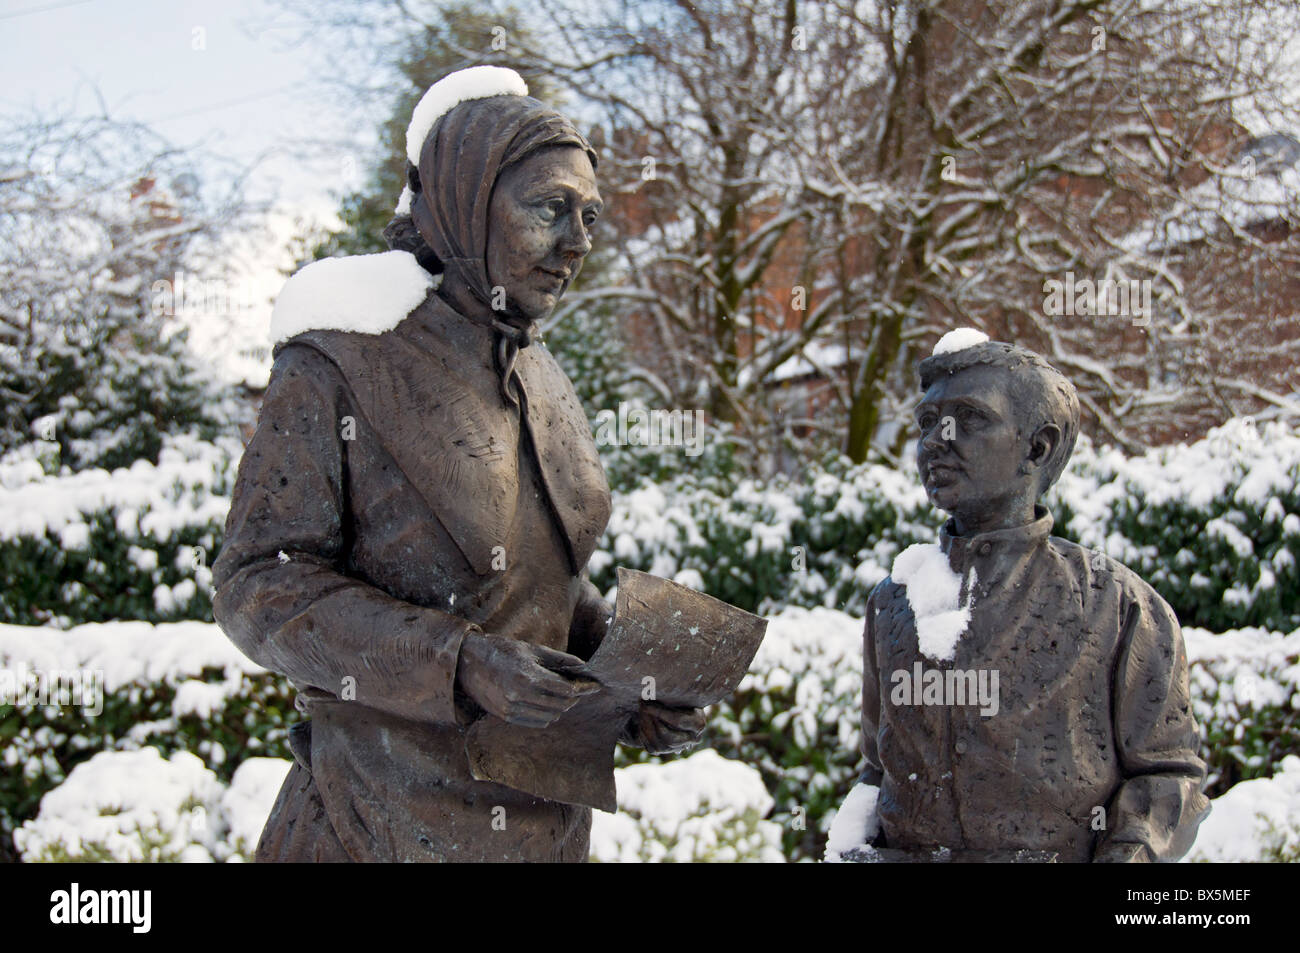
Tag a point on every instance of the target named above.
point(179, 687)
point(792, 727)
point(98, 545)
point(134, 543)
point(699, 808)
point(1246, 698)
point(1214, 527)
point(1256, 820)
point(136, 806)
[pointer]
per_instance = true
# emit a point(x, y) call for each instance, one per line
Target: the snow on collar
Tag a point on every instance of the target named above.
point(958, 340)
point(368, 294)
point(477, 82)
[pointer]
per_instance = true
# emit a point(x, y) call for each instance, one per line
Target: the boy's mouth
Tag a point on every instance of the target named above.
point(941, 474)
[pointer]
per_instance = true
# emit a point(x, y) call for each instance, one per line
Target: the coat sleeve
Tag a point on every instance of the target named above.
point(590, 621)
point(281, 593)
point(872, 772)
point(1159, 805)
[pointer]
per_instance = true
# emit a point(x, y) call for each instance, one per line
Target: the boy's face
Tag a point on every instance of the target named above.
point(971, 452)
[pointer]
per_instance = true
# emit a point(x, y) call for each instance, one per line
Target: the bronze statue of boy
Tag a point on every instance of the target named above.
point(1024, 698)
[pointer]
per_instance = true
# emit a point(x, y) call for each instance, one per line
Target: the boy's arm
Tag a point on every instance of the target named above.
point(871, 771)
point(857, 822)
point(1158, 807)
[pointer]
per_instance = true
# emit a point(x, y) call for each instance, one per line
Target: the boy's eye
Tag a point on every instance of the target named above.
point(925, 421)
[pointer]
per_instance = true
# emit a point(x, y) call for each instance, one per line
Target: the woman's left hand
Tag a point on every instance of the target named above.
point(663, 730)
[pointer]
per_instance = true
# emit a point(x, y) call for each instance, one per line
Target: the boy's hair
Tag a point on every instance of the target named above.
point(1040, 393)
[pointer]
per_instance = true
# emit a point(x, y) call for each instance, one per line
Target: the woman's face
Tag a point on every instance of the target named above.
point(539, 221)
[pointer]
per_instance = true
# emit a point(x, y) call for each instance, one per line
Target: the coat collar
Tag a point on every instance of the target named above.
point(996, 553)
point(428, 390)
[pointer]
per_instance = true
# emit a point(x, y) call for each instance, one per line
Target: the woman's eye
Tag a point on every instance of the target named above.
point(551, 210)
point(589, 219)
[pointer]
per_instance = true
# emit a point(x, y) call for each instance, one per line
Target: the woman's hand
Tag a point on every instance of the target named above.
point(663, 730)
point(524, 684)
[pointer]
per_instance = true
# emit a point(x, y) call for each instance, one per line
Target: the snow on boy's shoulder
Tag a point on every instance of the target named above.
point(368, 294)
point(959, 340)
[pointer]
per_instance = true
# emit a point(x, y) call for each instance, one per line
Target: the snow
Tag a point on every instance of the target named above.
point(134, 806)
point(184, 489)
point(110, 799)
point(368, 294)
point(698, 807)
point(1230, 200)
point(132, 653)
point(404, 201)
point(477, 82)
point(958, 340)
point(1252, 816)
point(247, 803)
point(702, 807)
point(855, 824)
point(817, 653)
point(816, 357)
point(934, 593)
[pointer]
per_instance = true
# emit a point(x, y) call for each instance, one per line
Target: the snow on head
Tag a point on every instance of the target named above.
point(958, 340)
point(477, 82)
point(369, 294)
point(934, 593)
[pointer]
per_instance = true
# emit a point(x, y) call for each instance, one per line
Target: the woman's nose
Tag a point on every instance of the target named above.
point(576, 240)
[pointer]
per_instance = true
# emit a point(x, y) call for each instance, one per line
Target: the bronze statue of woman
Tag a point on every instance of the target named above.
point(412, 520)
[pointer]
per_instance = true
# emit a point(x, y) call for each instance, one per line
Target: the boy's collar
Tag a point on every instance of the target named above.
point(999, 542)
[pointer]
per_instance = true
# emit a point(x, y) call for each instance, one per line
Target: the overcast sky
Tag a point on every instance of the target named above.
point(218, 75)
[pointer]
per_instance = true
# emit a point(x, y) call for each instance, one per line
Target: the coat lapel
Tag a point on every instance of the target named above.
point(460, 447)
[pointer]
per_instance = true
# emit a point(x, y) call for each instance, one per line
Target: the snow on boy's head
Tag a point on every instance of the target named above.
point(477, 82)
point(958, 339)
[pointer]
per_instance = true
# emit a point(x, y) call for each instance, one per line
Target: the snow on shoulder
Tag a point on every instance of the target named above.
point(958, 340)
point(368, 294)
point(477, 82)
point(934, 593)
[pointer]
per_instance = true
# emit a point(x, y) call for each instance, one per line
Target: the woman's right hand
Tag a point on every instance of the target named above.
point(524, 684)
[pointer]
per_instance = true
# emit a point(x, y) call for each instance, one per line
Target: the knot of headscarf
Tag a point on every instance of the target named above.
point(463, 155)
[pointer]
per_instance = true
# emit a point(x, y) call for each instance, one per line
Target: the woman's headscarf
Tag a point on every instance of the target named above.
point(462, 157)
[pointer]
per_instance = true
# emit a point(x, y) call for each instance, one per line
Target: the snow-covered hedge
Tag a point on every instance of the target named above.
point(176, 687)
point(132, 806)
point(134, 543)
point(792, 726)
point(1214, 526)
point(137, 806)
